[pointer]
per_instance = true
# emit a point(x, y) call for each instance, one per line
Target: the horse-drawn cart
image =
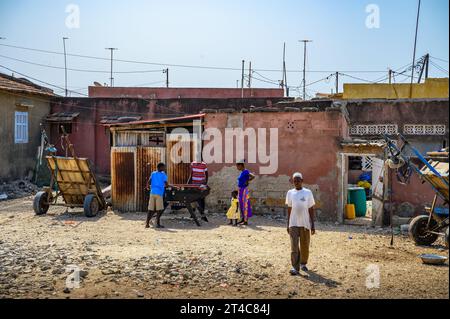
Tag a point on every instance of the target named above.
point(425, 229)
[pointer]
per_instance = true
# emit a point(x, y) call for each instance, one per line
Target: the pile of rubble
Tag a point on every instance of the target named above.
point(17, 189)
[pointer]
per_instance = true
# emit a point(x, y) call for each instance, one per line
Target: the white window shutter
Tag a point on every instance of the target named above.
point(21, 127)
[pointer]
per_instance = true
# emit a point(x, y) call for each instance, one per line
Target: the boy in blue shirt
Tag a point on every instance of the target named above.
point(158, 184)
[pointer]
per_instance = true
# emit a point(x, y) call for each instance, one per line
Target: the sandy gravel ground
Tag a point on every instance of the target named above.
point(119, 258)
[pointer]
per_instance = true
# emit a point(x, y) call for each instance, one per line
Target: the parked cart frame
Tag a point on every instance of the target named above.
point(72, 178)
point(425, 229)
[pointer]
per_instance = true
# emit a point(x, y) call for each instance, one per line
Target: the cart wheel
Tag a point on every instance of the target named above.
point(446, 238)
point(418, 231)
point(90, 205)
point(40, 203)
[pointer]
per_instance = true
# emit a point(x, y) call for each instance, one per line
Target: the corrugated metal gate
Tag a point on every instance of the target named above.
point(133, 160)
point(130, 170)
point(147, 161)
point(123, 164)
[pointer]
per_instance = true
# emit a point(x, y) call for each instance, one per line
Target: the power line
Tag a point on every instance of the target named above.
point(324, 79)
point(126, 112)
point(439, 67)
point(76, 70)
point(442, 60)
point(177, 65)
point(34, 79)
point(356, 78)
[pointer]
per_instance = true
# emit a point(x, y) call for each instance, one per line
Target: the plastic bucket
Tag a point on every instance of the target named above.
point(350, 212)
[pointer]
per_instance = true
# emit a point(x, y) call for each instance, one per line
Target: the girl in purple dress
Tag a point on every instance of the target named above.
point(244, 195)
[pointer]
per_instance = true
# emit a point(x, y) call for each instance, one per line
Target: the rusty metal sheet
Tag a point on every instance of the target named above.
point(178, 173)
point(147, 159)
point(126, 139)
point(123, 186)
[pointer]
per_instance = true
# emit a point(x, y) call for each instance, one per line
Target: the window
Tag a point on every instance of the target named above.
point(21, 128)
point(367, 163)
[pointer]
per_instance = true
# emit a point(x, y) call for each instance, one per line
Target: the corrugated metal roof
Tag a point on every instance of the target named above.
point(62, 117)
point(15, 85)
point(111, 119)
point(160, 121)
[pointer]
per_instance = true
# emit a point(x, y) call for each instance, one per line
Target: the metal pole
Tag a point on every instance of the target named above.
point(250, 75)
point(414, 53)
point(250, 78)
point(337, 82)
point(390, 76)
point(166, 71)
point(112, 78)
point(304, 67)
point(304, 71)
point(284, 82)
point(65, 65)
point(242, 79)
point(112, 58)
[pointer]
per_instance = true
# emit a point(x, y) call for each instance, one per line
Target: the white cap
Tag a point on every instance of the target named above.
point(242, 161)
point(297, 174)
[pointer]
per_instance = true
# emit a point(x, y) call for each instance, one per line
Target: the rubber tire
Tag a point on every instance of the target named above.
point(38, 203)
point(446, 238)
point(91, 205)
point(417, 229)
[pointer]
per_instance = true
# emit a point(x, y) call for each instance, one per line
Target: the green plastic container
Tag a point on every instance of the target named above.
point(357, 197)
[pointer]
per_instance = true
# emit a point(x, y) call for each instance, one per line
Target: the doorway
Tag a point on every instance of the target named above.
point(362, 175)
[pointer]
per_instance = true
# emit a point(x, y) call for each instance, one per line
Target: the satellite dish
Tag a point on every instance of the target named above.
point(97, 84)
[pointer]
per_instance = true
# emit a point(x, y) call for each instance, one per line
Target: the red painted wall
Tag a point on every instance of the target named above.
point(415, 193)
point(91, 139)
point(310, 146)
point(183, 93)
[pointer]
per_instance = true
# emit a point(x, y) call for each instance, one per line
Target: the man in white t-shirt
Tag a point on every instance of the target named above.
point(300, 202)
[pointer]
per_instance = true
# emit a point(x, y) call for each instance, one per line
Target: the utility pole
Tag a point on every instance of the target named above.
point(284, 81)
point(166, 71)
point(425, 66)
point(112, 58)
point(390, 76)
point(237, 84)
point(242, 79)
point(304, 66)
point(65, 65)
point(250, 78)
point(337, 82)
point(414, 51)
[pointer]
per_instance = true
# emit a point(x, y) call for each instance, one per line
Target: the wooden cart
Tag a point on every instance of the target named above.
point(73, 180)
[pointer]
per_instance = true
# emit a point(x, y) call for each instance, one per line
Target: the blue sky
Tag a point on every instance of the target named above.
point(221, 33)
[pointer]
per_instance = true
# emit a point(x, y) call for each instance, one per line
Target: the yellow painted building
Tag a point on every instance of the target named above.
point(432, 88)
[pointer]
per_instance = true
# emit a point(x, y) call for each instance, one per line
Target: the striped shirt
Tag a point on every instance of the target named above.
point(198, 173)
